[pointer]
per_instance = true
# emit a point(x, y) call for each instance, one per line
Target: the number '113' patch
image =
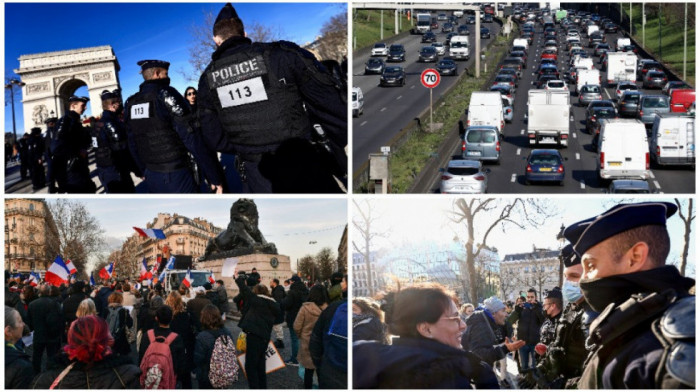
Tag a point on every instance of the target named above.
point(241, 93)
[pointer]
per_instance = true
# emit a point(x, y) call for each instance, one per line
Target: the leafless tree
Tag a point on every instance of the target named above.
point(342, 261)
point(333, 44)
point(508, 282)
point(79, 234)
point(490, 214)
point(687, 216)
point(308, 267)
point(325, 261)
point(363, 220)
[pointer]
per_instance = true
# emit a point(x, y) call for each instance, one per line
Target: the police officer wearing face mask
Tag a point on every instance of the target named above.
point(160, 136)
point(644, 337)
point(114, 161)
point(562, 364)
point(70, 150)
point(261, 101)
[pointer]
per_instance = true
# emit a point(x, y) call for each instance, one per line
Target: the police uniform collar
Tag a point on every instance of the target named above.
point(590, 232)
point(230, 43)
point(160, 83)
point(50, 120)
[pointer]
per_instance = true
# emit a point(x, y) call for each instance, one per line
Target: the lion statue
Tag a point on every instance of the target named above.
point(242, 234)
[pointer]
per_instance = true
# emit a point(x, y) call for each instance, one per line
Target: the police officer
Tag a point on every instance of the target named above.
point(114, 161)
point(260, 101)
point(36, 158)
point(49, 141)
point(160, 136)
point(552, 305)
point(24, 167)
point(70, 154)
point(644, 337)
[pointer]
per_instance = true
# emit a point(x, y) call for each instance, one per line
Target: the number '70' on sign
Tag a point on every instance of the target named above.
point(430, 78)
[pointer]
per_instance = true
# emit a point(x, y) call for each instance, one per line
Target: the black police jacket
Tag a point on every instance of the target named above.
point(112, 144)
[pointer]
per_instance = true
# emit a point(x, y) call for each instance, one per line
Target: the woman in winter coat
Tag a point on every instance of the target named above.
point(367, 321)
point(18, 366)
point(304, 325)
point(183, 326)
point(212, 328)
point(93, 364)
point(258, 316)
point(115, 309)
point(485, 334)
point(428, 353)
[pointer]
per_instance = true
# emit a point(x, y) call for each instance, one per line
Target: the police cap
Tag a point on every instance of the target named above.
point(146, 64)
point(569, 257)
point(75, 98)
point(227, 12)
point(106, 94)
point(36, 131)
point(590, 232)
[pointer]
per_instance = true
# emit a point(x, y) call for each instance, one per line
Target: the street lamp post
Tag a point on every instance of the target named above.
point(561, 239)
point(11, 85)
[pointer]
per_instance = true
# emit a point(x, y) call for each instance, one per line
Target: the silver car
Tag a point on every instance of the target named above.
point(482, 143)
point(650, 105)
point(440, 47)
point(463, 176)
point(588, 94)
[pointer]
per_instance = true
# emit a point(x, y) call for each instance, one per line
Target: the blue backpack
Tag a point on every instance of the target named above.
point(336, 339)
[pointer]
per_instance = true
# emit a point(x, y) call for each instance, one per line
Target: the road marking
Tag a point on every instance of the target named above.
point(578, 156)
point(522, 131)
point(412, 87)
point(656, 184)
point(513, 177)
point(517, 152)
point(574, 135)
point(383, 109)
point(651, 173)
point(363, 123)
point(399, 97)
point(571, 119)
point(606, 93)
point(583, 184)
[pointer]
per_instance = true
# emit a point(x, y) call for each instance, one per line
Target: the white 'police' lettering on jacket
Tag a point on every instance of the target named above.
point(232, 73)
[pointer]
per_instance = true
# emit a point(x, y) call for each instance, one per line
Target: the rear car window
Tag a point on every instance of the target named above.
point(659, 102)
point(463, 171)
point(478, 136)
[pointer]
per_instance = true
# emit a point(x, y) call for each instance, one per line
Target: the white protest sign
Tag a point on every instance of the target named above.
point(229, 267)
point(273, 360)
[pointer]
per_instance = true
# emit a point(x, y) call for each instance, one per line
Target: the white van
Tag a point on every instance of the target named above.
point(459, 47)
point(486, 108)
point(521, 42)
point(622, 67)
point(623, 150)
point(587, 76)
point(673, 139)
point(358, 102)
point(591, 29)
point(622, 42)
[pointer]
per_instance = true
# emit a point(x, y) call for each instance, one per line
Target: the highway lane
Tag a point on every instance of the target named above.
point(581, 174)
point(388, 109)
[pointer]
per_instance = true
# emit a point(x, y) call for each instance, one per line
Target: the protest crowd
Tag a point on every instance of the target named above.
point(623, 318)
point(135, 334)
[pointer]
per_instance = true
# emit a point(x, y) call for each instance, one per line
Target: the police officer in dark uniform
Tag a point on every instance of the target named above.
point(49, 142)
point(160, 136)
point(36, 158)
point(70, 155)
point(552, 305)
point(261, 101)
point(644, 337)
point(114, 161)
point(24, 164)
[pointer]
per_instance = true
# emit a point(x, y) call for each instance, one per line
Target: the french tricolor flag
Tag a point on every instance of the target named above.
point(145, 273)
point(212, 280)
point(188, 279)
point(71, 267)
point(150, 233)
point(34, 279)
point(92, 280)
point(57, 273)
point(171, 263)
point(106, 272)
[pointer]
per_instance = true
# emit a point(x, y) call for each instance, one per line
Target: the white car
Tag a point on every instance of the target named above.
point(463, 176)
point(380, 49)
point(440, 47)
point(556, 85)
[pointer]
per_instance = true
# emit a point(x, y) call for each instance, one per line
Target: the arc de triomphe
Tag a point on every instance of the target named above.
point(52, 77)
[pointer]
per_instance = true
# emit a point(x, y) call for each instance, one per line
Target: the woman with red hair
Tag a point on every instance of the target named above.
point(87, 361)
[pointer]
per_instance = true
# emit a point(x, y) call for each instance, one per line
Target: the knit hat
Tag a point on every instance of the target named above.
point(493, 304)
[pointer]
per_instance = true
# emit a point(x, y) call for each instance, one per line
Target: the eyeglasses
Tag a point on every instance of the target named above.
point(456, 319)
point(191, 93)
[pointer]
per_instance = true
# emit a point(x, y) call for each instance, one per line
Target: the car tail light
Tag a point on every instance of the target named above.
point(480, 177)
point(498, 146)
point(468, 121)
point(531, 135)
point(508, 110)
point(502, 124)
point(564, 136)
point(647, 159)
point(658, 151)
point(464, 146)
point(445, 177)
point(602, 160)
point(529, 169)
point(592, 118)
point(560, 169)
point(641, 112)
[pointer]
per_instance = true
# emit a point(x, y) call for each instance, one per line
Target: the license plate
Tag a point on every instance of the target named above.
point(547, 140)
point(615, 163)
point(545, 169)
point(474, 153)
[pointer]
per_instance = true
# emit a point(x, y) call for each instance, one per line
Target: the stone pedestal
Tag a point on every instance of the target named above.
point(268, 270)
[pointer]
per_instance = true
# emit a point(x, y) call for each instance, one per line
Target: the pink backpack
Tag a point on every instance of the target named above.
point(157, 364)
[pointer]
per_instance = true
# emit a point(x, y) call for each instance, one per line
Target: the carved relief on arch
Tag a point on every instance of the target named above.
point(98, 77)
point(39, 114)
point(84, 77)
point(37, 87)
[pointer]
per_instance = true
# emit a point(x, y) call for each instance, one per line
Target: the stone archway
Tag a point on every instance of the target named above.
point(52, 77)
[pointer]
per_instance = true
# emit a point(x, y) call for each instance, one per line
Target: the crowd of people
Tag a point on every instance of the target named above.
point(282, 114)
point(122, 335)
point(622, 319)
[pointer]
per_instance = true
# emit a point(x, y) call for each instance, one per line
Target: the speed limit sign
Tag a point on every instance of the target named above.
point(430, 78)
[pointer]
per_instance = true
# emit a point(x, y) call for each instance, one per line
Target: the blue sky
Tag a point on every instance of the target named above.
point(290, 223)
point(138, 31)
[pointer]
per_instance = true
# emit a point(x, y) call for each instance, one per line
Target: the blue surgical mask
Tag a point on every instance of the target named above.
point(572, 291)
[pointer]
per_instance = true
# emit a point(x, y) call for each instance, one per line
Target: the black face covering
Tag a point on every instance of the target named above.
point(616, 289)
